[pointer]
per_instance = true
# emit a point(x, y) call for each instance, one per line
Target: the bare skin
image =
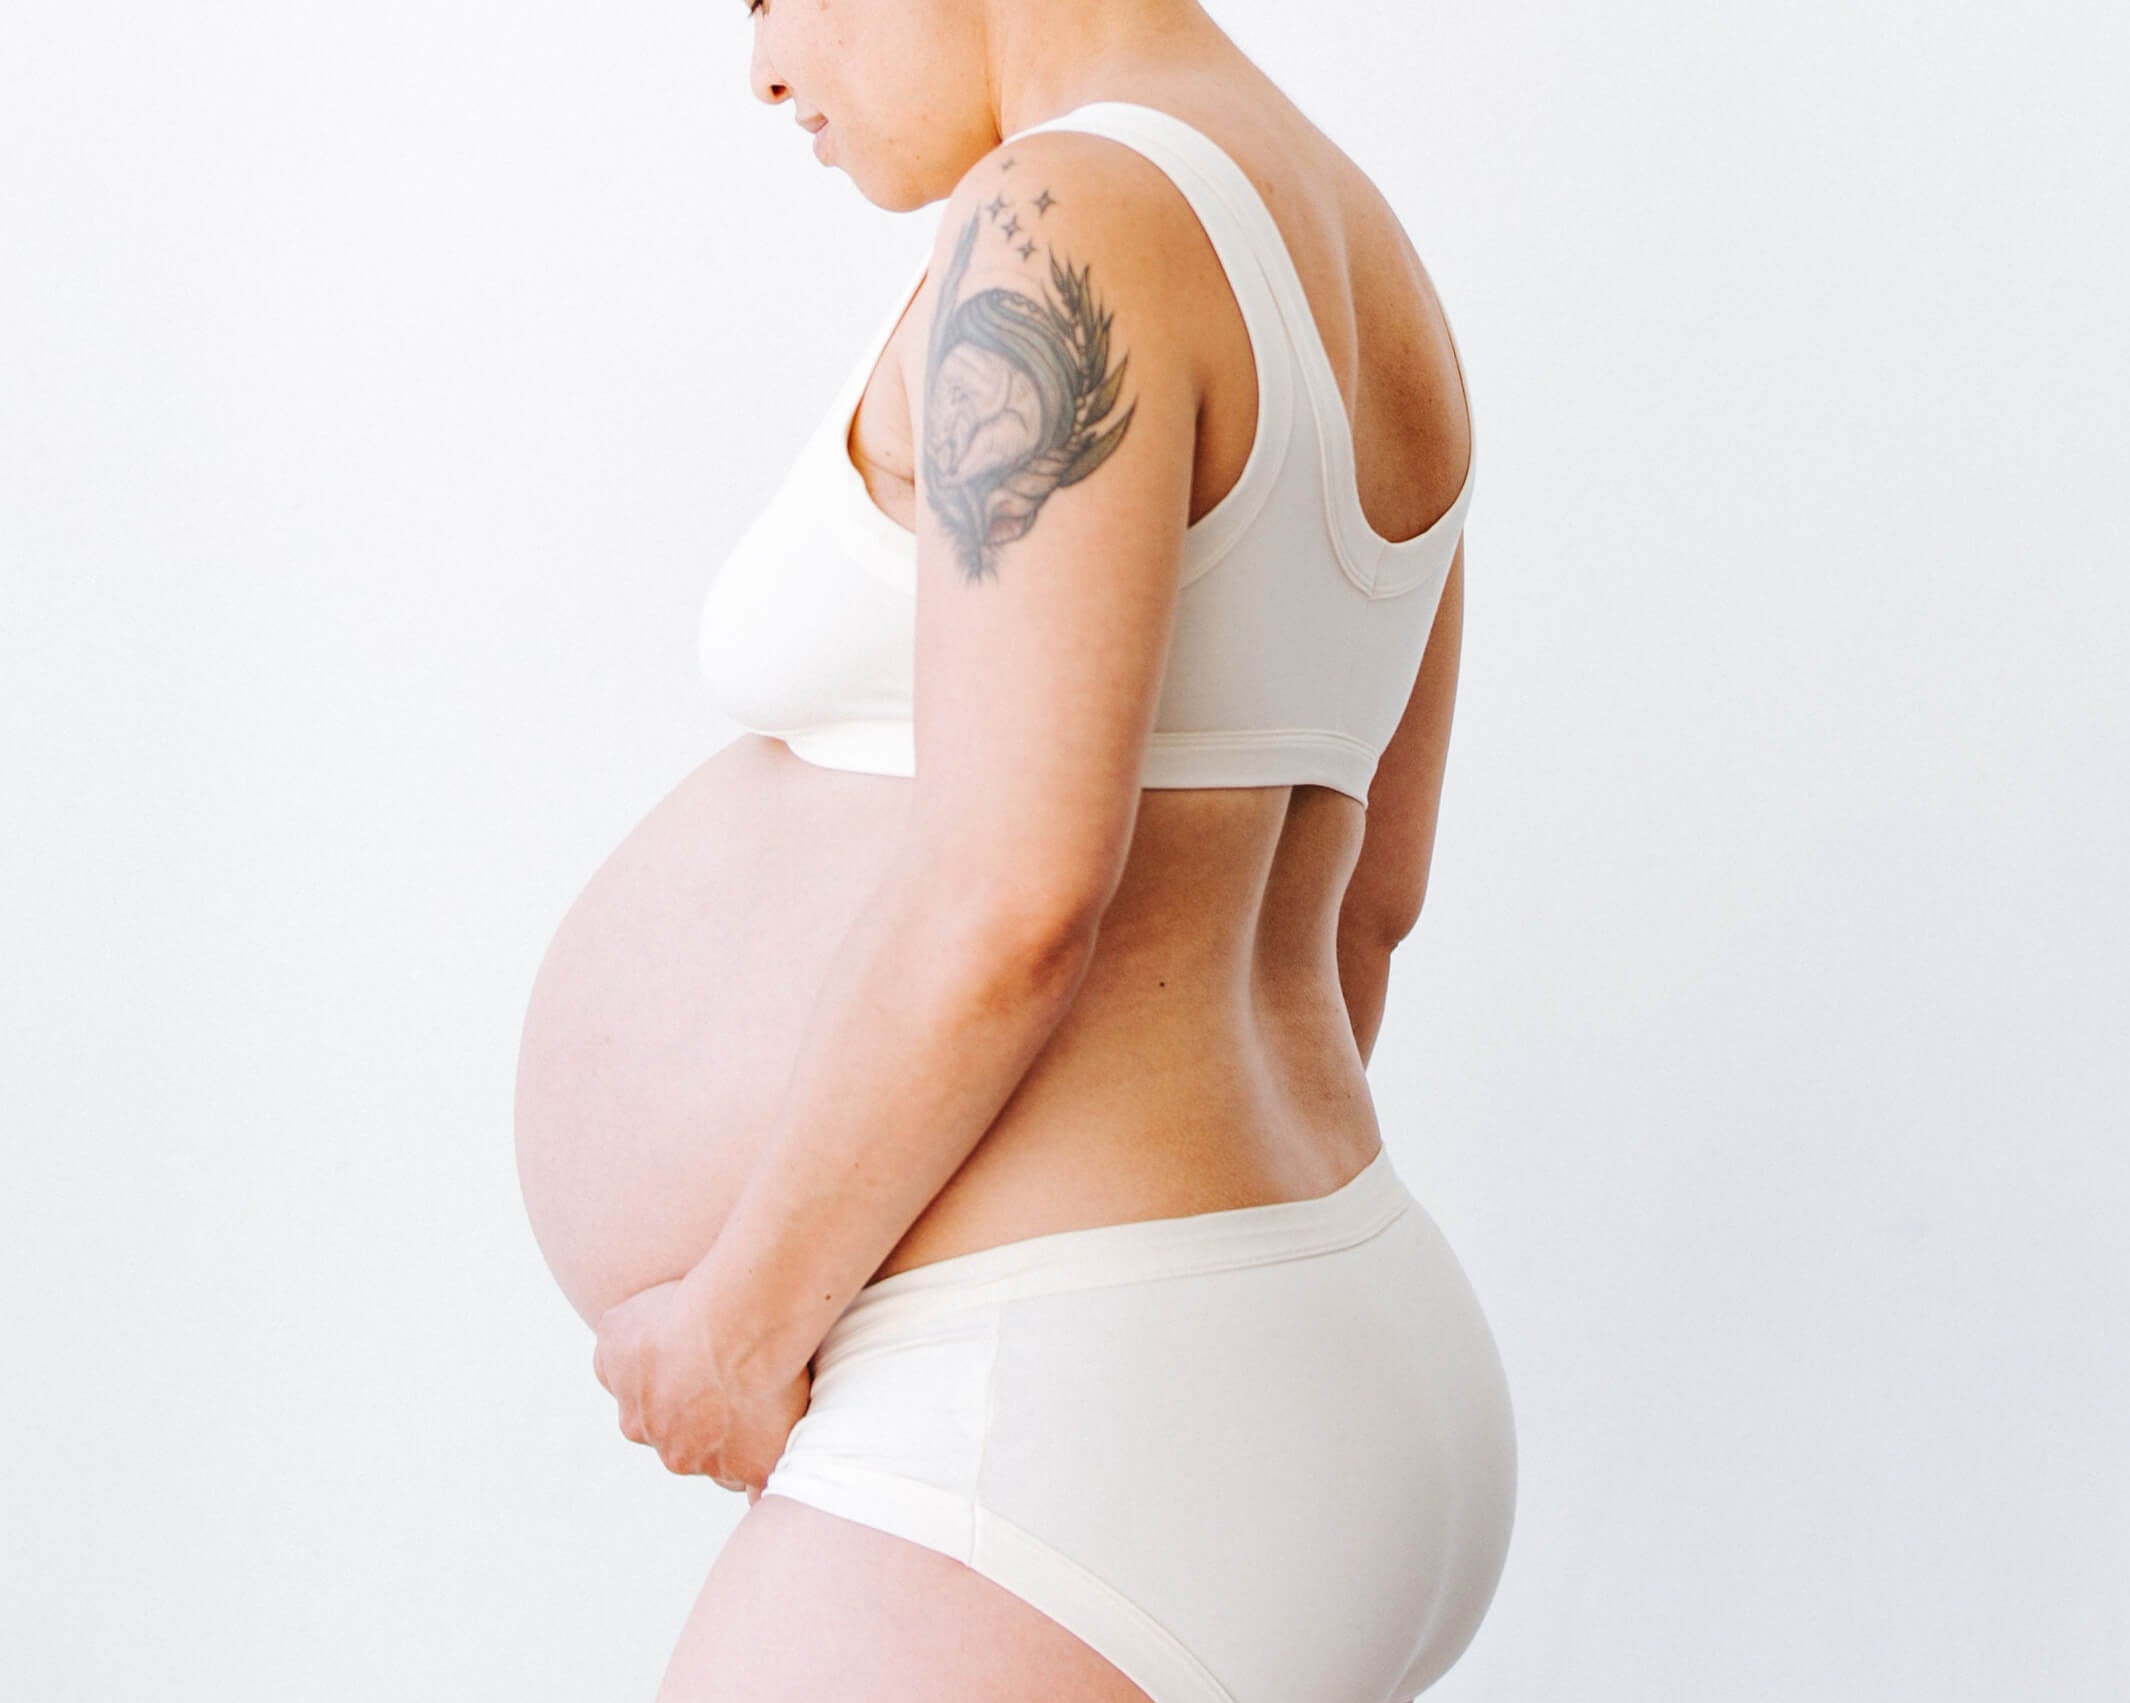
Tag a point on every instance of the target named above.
point(1213, 1055)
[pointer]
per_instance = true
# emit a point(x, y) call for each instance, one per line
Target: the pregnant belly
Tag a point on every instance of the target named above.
point(668, 1009)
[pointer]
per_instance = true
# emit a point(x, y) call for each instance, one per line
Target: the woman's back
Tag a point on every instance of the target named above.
point(1210, 1058)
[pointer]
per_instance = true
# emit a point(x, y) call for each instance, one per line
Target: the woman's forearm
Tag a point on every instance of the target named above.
point(932, 1010)
point(1364, 980)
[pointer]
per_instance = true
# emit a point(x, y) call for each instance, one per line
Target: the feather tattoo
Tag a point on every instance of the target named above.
point(1016, 392)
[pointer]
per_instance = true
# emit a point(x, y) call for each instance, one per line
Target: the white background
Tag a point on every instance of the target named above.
point(380, 386)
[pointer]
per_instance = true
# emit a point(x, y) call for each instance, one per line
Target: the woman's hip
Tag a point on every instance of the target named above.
point(1262, 1444)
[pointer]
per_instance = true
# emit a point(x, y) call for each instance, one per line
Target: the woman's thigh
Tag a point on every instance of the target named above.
point(803, 1605)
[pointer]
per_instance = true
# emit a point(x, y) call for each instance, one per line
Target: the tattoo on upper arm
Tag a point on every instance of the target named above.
point(1016, 389)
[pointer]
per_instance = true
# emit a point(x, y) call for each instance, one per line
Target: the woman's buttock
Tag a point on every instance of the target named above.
point(1198, 1443)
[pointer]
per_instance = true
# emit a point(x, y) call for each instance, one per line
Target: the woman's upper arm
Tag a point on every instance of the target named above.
point(1389, 881)
point(1055, 423)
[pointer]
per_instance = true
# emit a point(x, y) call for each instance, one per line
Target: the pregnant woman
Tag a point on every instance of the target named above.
point(949, 1105)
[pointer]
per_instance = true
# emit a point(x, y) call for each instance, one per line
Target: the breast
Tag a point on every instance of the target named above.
point(807, 629)
point(668, 1008)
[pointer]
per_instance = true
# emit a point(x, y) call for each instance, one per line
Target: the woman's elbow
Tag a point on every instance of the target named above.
point(1040, 932)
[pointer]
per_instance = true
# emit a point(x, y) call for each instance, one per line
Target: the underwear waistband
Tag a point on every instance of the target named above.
point(1129, 1252)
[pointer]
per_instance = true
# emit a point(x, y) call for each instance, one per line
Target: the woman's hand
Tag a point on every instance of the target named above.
point(656, 1356)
